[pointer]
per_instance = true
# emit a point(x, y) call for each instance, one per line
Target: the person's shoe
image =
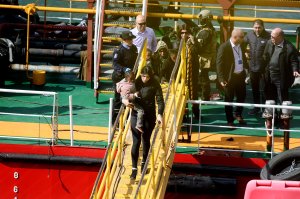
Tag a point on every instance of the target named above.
point(231, 126)
point(230, 139)
point(253, 111)
point(240, 120)
point(139, 129)
point(215, 97)
point(133, 174)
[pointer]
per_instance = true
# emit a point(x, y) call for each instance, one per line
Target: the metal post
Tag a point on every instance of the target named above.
point(70, 19)
point(286, 134)
point(96, 38)
point(110, 114)
point(176, 20)
point(298, 38)
point(273, 121)
point(54, 120)
point(71, 119)
point(144, 9)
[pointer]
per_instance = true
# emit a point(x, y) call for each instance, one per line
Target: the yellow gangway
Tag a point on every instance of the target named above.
point(113, 180)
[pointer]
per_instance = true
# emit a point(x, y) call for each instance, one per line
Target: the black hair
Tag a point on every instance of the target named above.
point(147, 70)
point(259, 22)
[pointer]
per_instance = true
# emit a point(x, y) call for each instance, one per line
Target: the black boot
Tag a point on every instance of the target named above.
point(133, 174)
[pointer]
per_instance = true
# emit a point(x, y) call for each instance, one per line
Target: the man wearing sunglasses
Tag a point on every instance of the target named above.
point(141, 31)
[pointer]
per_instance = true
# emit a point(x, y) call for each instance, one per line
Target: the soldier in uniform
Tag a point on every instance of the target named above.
point(203, 46)
point(124, 57)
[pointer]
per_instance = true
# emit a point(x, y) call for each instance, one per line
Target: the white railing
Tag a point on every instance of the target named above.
point(271, 130)
point(53, 116)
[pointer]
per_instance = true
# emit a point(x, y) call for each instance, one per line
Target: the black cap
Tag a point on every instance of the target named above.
point(127, 35)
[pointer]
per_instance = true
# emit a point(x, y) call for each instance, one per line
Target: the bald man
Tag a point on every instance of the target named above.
point(281, 66)
point(231, 64)
point(141, 31)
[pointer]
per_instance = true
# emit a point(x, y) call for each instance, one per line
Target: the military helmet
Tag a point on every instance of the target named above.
point(205, 14)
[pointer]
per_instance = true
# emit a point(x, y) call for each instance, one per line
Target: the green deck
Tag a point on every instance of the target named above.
point(89, 113)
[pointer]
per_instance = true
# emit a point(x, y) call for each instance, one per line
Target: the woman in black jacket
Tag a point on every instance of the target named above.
point(150, 92)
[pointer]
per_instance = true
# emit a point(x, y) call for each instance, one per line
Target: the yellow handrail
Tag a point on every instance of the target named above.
point(49, 8)
point(208, 7)
point(114, 154)
point(191, 16)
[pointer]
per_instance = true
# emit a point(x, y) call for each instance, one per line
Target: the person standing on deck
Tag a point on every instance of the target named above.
point(257, 40)
point(231, 64)
point(203, 46)
point(141, 31)
point(150, 97)
point(124, 58)
point(281, 66)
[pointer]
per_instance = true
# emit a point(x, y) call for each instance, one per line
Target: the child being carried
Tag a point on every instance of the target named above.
point(127, 90)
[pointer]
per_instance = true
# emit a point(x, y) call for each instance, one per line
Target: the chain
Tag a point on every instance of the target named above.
point(292, 168)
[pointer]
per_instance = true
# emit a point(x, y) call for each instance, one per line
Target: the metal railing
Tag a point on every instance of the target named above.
point(99, 17)
point(269, 130)
point(113, 154)
point(164, 139)
point(53, 116)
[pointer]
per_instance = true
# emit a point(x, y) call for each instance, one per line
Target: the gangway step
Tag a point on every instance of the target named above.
point(108, 49)
point(119, 23)
point(105, 78)
point(111, 37)
point(107, 56)
point(106, 63)
point(121, 196)
point(123, 9)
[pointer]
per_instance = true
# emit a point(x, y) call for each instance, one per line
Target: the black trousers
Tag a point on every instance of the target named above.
point(256, 84)
point(273, 91)
point(137, 137)
point(117, 103)
point(205, 84)
point(235, 88)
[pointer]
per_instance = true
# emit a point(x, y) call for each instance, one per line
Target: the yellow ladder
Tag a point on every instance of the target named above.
point(113, 180)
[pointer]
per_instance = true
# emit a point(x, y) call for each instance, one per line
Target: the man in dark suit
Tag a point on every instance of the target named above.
point(281, 66)
point(231, 64)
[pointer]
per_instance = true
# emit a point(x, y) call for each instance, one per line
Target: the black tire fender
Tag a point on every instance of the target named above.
point(281, 163)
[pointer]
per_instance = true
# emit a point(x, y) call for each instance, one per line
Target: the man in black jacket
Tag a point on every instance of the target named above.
point(123, 57)
point(282, 66)
point(257, 40)
point(231, 63)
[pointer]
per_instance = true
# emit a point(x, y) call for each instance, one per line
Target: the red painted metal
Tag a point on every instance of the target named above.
point(220, 161)
point(270, 189)
point(53, 150)
point(48, 180)
point(90, 43)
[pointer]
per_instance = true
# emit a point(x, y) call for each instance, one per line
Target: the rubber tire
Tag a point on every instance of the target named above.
point(279, 163)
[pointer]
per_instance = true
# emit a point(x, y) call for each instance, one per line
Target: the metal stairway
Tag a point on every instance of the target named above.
point(111, 40)
point(113, 179)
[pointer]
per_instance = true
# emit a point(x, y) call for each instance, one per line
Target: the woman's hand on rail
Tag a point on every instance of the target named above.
point(159, 119)
point(127, 103)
